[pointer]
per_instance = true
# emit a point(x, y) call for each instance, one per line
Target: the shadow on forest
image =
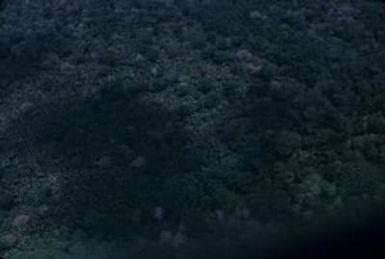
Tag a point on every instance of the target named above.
point(114, 152)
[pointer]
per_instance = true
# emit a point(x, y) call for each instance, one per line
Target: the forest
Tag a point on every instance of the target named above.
point(187, 129)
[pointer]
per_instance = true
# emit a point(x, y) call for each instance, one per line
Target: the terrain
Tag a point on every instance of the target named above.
point(180, 126)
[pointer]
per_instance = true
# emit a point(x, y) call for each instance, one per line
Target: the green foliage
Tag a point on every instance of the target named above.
point(206, 109)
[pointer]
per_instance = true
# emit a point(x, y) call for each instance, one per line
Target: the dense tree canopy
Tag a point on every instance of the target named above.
point(183, 121)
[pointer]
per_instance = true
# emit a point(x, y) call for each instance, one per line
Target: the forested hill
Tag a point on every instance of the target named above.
point(186, 125)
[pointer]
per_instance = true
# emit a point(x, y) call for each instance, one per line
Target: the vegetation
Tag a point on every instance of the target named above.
point(175, 122)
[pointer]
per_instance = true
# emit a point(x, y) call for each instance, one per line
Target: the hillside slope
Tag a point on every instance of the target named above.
point(175, 122)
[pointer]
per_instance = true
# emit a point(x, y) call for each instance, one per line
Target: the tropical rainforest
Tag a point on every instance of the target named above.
point(187, 129)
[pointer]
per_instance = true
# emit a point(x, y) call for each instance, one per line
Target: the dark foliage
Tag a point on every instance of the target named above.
point(209, 118)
